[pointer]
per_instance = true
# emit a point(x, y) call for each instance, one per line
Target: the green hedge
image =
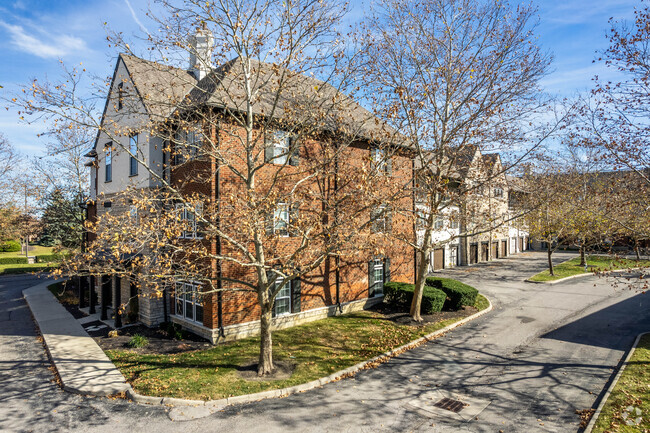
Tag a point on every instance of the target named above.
point(48, 258)
point(9, 246)
point(458, 294)
point(13, 260)
point(400, 295)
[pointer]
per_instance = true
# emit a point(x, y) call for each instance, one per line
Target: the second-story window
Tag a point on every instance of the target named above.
point(439, 223)
point(380, 160)
point(280, 148)
point(187, 144)
point(133, 148)
point(189, 216)
point(109, 162)
point(498, 192)
point(381, 219)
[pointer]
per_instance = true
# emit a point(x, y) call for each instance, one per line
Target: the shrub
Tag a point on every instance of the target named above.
point(137, 341)
point(400, 295)
point(172, 330)
point(9, 246)
point(458, 294)
point(48, 258)
point(13, 260)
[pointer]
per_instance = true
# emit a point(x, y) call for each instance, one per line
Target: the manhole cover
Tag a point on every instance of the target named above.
point(451, 404)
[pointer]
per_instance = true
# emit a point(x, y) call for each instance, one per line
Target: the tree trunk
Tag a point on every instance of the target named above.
point(637, 250)
point(416, 303)
point(549, 251)
point(583, 260)
point(265, 365)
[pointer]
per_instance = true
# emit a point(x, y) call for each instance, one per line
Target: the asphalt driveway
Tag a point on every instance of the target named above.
point(543, 353)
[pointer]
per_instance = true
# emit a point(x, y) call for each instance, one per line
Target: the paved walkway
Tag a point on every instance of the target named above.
point(543, 353)
point(82, 366)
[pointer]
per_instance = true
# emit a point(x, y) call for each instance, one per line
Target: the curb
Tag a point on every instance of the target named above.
point(579, 276)
point(284, 392)
point(599, 409)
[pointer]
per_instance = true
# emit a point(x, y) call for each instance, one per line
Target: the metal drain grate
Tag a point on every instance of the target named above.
point(451, 404)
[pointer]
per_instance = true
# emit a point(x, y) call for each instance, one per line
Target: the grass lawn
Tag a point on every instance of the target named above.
point(37, 251)
point(632, 392)
point(602, 263)
point(318, 349)
point(24, 268)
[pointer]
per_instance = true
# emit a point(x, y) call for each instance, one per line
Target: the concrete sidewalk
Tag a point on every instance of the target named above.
point(82, 365)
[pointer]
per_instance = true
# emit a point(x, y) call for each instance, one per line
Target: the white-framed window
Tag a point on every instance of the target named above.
point(278, 145)
point(439, 224)
point(189, 301)
point(454, 223)
point(498, 192)
point(379, 160)
point(188, 216)
point(281, 219)
point(187, 144)
point(420, 219)
point(108, 162)
point(377, 276)
point(453, 255)
point(283, 298)
point(133, 149)
point(381, 219)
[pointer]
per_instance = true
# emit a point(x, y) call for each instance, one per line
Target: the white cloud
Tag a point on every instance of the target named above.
point(41, 44)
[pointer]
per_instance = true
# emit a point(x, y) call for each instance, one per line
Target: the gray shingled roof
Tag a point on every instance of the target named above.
point(303, 99)
point(162, 88)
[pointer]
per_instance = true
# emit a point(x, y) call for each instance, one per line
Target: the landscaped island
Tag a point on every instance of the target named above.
point(594, 263)
point(191, 369)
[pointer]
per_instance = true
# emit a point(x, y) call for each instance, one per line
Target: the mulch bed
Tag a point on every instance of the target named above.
point(159, 341)
point(402, 318)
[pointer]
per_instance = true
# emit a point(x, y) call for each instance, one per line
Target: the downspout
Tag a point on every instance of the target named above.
point(415, 233)
point(218, 224)
point(337, 261)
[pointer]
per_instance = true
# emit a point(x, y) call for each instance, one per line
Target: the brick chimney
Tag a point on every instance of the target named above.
point(201, 46)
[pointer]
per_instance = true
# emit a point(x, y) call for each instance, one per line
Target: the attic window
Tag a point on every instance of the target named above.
point(120, 96)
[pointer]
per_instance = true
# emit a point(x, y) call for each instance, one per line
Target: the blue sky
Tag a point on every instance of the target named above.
point(36, 34)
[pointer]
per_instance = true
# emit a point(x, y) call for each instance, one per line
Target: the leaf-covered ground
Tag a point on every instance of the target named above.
point(596, 263)
point(316, 350)
point(627, 409)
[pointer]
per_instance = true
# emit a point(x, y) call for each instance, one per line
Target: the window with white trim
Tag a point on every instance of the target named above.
point(281, 219)
point(108, 162)
point(187, 144)
point(380, 161)
point(283, 298)
point(278, 146)
point(133, 149)
point(189, 216)
point(381, 219)
point(439, 223)
point(133, 213)
point(498, 192)
point(188, 301)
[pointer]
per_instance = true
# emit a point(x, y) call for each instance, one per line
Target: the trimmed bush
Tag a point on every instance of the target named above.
point(400, 295)
point(9, 246)
point(13, 260)
point(48, 258)
point(458, 294)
